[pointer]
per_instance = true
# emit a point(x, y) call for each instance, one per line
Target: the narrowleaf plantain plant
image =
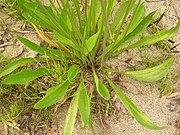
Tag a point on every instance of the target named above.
point(85, 35)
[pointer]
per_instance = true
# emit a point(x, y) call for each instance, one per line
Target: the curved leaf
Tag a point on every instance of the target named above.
point(139, 29)
point(133, 110)
point(90, 43)
point(138, 16)
point(31, 17)
point(37, 48)
point(73, 71)
point(29, 14)
point(18, 63)
point(84, 104)
point(132, 35)
point(65, 40)
point(25, 76)
point(93, 15)
point(152, 74)
point(121, 13)
point(71, 116)
point(161, 35)
point(20, 4)
point(34, 13)
point(101, 88)
point(110, 7)
point(53, 95)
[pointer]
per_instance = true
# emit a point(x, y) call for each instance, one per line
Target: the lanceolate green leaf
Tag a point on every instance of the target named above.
point(90, 43)
point(121, 13)
point(84, 104)
point(18, 63)
point(65, 40)
point(101, 88)
point(137, 18)
point(76, 4)
point(37, 11)
point(94, 14)
point(20, 4)
point(139, 29)
point(132, 35)
point(73, 20)
point(71, 116)
point(133, 110)
point(37, 48)
point(30, 16)
point(53, 95)
point(39, 14)
point(64, 21)
point(161, 35)
point(67, 43)
point(110, 7)
point(152, 74)
point(96, 11)
point(73, 71)
point(25, 76)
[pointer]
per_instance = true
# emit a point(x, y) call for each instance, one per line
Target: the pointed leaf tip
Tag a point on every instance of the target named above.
point(73, 71)
point(53, 95)
point(133, 110)
point(101, 88)
point(25, 76)
point(84, 104)
point(152, 74)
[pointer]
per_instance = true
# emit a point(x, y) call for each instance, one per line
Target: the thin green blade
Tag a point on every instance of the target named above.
point(137, 18)
point(16, 64)
point(121, 14)
point(76, 4)
point(139, 29)
point(29, 13)
point(25, 76)
point(65, 40)
point(37, 11)
point(53, 95)
point(73, 71)
point(90, 44)
point(152, 74)
point(94, 13)
point(84, 104)
point(20, 4)
point(101, 88)
point(132, 35)
point(37, 48)
point(71, 116)
point(133, 110)
point(110, 7)
point(31, 17)
point(161, 35)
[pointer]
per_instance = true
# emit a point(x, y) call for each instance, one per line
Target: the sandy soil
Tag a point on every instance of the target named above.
point(146, 96)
